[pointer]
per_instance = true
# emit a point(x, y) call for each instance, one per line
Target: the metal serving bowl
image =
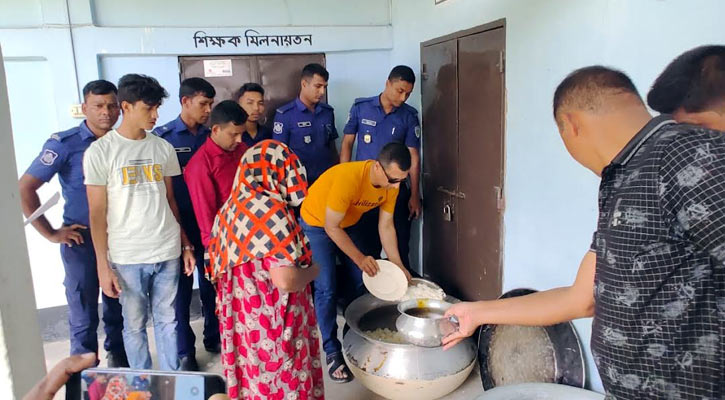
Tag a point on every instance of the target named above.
point(422, 322)
point(400, 370)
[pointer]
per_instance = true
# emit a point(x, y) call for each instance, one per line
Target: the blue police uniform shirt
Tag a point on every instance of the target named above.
point(263, 133)
point(62, 154)
point(186, 144)
point(309, 134)
point(375, 129)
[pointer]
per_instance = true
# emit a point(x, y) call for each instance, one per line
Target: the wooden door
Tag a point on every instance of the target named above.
point(279, 75)
point(440, 166)
point(480, 163)
point(243, 70)
point(463, 127)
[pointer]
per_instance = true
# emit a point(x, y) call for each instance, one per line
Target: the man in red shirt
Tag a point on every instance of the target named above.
point(210, 173)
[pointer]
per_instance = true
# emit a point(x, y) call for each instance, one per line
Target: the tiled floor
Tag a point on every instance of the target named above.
point(471, 388)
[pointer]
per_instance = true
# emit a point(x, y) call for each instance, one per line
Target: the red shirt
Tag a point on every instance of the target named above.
point(209, 175)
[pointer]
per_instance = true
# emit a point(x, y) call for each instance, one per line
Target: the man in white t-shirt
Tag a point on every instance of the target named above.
point(135, 222)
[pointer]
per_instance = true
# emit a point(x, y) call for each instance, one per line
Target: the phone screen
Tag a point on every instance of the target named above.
point(126, 384)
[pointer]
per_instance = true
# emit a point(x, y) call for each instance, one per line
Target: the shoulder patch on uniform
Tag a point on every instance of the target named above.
point(48, 157)
point(161, 130)
point(362, 100)
point(417, 131)
point(286, 107)
point(277, 127)
point(60, 136)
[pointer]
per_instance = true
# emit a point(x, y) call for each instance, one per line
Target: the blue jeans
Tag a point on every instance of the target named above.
point(326, 293)
point(158, 283)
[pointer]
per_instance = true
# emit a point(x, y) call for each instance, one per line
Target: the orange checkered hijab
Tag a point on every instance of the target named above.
point(256, 221)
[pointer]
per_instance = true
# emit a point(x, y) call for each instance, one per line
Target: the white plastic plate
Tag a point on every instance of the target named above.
point(389, 284)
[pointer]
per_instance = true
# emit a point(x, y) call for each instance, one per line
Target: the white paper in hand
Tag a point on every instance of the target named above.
point(53, 200)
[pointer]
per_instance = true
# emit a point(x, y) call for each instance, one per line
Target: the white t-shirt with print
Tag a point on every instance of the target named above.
point(141, 227)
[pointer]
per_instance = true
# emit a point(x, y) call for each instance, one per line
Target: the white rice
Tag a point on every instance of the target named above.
point(386, 335)
point(423, 291)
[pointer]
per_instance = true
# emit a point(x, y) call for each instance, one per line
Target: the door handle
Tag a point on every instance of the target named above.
point(451, 193)
point(500, 203)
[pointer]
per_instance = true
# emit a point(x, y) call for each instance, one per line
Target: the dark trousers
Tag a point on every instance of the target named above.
point(81, 291)
point(369, 225)
point(326, 294)
point(185, 338)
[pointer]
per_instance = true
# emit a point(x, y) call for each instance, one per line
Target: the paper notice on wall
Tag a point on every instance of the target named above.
point(216, 68)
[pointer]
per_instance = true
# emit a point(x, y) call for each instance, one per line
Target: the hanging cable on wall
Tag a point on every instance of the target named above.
point(73, 53)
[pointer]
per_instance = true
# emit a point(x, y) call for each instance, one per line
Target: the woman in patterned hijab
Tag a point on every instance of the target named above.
point(261, 263)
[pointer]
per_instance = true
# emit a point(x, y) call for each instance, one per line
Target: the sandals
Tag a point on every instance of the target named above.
point(335, 362)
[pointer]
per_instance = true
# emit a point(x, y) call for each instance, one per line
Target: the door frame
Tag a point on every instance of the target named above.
point(499, 23)
point(496, 24)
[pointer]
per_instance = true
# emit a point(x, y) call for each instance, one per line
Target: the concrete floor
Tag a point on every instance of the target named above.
point(471, 388)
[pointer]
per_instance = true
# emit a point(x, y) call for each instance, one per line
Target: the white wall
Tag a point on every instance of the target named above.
point(21, 14)
point(241, 13)
point(29, 133)
point(550, 200)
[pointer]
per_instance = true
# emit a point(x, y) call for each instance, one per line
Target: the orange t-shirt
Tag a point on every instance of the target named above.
point(346, 188)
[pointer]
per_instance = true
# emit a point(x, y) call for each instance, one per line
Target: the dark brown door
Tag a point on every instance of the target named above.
point(280, 77)
point(279, 74)
point(463, 111)
point(440, 165)
point(480, 163)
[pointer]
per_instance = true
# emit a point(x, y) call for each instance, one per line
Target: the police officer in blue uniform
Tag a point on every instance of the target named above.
point(374, 122)
point(62, 154)
point(251, 98)
point(307, 126)
point(187, 133)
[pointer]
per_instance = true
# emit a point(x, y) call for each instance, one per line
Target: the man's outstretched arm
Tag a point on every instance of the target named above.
point(537, 309)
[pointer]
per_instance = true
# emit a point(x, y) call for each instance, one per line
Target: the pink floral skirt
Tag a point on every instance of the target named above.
point(270, 339)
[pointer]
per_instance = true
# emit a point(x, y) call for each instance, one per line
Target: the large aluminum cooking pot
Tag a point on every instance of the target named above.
point(400, 370)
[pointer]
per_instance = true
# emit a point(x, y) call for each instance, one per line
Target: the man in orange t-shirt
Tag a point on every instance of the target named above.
point(329, 215)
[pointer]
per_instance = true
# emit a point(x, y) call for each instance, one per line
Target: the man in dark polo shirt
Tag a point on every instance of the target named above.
point(692, 88)
point(654, 279)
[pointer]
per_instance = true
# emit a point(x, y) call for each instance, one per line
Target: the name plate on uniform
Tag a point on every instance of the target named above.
point(304, 124)
point(183, 149)
point(368, 122)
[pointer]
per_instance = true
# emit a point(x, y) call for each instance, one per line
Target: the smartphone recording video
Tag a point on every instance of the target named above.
point(125, 384)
